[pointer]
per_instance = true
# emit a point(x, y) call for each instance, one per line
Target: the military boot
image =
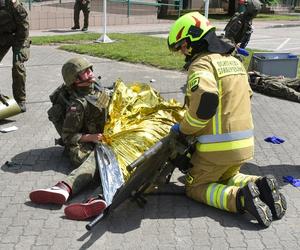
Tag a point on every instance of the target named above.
point(248, 201)
point(22, 106)
point(83, 211)
point(269, 194)
point(57, 194)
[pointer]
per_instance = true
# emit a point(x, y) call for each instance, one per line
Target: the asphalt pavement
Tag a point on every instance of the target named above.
point(166, 222)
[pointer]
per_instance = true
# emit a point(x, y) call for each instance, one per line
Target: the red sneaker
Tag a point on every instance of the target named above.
point(83, 211)
point(57, 194)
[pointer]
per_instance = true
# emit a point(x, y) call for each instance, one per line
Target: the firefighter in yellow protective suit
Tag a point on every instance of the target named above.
point(218, 113)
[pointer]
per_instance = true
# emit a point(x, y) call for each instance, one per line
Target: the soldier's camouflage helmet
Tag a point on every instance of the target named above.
point(191, 27)
point(73, 67)
point(253, 7)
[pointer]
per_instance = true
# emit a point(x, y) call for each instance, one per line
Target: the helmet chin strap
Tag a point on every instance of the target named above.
point(189, 49)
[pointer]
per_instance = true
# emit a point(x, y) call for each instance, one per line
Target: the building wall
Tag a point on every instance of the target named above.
point(197, 4)
point(215, 6)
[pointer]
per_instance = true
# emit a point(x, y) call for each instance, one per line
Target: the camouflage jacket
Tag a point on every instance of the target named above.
point(14, 25)
point(86, 114)
point(277, 86)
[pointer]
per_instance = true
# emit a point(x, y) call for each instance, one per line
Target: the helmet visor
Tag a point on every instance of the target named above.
point(175, 46)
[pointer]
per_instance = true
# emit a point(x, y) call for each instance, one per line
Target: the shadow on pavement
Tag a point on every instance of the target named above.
point(41, 206)
point(5, 121)
point(39, 160)
point(129, 216)
point(277, 170)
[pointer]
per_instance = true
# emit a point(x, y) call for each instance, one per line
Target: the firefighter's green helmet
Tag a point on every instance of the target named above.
point(73, 67)
point(191, 27)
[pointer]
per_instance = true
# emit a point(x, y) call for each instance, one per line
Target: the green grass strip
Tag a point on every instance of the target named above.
point(133, 48)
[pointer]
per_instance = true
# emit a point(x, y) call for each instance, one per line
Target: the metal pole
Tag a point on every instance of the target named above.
point(104, 16)
point(128, 8)
point(104, 38)
point(180, 7)
point(206, 8)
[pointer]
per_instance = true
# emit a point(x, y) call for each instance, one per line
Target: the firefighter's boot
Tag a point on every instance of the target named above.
point(248, 201)
point(57, 194)
point(83, 211)
point(269, 194)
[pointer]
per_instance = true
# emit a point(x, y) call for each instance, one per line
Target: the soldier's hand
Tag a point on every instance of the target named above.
point(97, 137)
point(92, 138)
point(18, 56)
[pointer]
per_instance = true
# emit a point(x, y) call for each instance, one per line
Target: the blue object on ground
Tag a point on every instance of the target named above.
point(274, 140)
point(243, 52)
point(292, 180)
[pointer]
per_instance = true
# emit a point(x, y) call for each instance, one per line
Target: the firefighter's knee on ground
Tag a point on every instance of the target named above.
point(195, 192)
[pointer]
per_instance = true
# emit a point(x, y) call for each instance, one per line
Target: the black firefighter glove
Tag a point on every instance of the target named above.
point(182, 148)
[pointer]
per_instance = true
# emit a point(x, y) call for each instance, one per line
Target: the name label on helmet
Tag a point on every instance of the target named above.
point(228, 66)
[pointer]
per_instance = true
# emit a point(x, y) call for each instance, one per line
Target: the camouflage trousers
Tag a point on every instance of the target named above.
point(86, 11)
point(85, 174)
point(277, 86)
point(18, 69)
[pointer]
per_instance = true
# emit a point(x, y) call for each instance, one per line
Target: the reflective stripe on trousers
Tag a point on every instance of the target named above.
point(217, 195)
point(224, 146)
point(240, 180)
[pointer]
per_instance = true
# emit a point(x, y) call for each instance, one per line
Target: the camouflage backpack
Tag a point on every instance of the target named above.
point(238, 28)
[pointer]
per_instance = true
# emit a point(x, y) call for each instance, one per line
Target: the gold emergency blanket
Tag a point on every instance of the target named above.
point(138, 118)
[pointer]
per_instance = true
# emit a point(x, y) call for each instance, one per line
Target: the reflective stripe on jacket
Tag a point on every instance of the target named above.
point(230, 129)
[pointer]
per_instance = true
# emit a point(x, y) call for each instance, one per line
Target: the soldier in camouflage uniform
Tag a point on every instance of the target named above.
point(218, 115)
point(82, 128)
point(14, 32)
point(278, 86)
point(83, 5)
point(239, 28)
